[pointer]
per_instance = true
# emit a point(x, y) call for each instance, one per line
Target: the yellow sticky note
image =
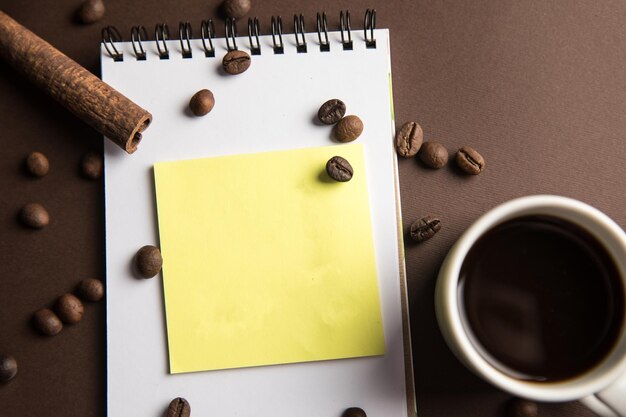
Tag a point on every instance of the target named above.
point(266, 260)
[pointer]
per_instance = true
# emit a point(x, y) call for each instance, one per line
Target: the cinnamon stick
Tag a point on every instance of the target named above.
point(88, 97)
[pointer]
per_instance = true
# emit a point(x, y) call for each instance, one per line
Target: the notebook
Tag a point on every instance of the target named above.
point(282, 291)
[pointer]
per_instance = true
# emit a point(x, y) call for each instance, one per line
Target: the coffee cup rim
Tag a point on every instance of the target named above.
point(450, 320)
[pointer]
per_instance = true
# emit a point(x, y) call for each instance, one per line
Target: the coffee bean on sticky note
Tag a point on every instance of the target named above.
point(354, 412)
point(470, 161)
point(34, 215)
point(339, 169)
point(236, 8)
point(236, 62)
point(47, 322)
point(37, 164)
point(148, 261)
point(69, 309)
point(433, 154)
point(90, 289)
point(348, 129)
point(179, 407)
point(409, 139)
point(202, 102)
point(92, 165)
point(425, 228)
point(91, 11)
point(8, 368)
point(332, 111)
point(519, 407)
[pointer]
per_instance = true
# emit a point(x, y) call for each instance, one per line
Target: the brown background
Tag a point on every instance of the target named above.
point(537, 87)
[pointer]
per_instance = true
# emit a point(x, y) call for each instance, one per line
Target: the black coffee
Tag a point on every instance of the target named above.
point(541, 298)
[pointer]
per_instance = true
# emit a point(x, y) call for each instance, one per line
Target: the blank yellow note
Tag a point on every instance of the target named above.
point(267, 260)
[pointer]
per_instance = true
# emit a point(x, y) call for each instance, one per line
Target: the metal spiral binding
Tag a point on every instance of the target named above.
point(184, 34)
point(161, 34)
point(277, 32)
point(110, 35)
point(369, 24)
point(344, 20)
point(298, 31)
point(207, 32)
point(253, 30)
point(138, 34)
point(322, 26)
point(231, 34)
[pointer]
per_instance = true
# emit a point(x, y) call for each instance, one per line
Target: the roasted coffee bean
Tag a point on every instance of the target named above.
point(348, 129)
point(179, 407)
point(339, 169)
point(433, 154)
point(34, 215)
point(202, 102)
point(354, 412)
point(470, 161)
point(409, 139)
point(90, 289)
point(332, 111)
point(92, 165)
point(148, 261)
point(236, 62)
point(519, 407)
point(69, 309)
point(37, 164)
point(47, 322)
point(236, 8)
point(425, 228)
point(90, 11)
point(8, 368)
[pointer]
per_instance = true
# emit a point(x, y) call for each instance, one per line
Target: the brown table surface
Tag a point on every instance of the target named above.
point(539, 88)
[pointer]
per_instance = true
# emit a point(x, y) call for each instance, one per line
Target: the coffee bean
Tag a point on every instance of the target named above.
point(90, 11)
point(348, 129)
point(34, 215)
point(332, 111)
point(37, 164)
point(91, 289)
point(425, 228)
point(148, 261)
point(470, 161)
point(202, 102)
point(409, 139)
point(433, 154)
point(354, 412)
point(92, 165)
point(69, 309)
point(8, 368)
point(236, 62)
point(179, 407)
point(47, 322)
point(519, 407)
point(339, 169)
point(236, 8)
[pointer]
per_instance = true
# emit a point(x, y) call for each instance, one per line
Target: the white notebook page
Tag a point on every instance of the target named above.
point(272, 106)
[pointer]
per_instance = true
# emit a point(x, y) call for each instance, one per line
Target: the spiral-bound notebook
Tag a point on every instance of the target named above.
point(282, 292)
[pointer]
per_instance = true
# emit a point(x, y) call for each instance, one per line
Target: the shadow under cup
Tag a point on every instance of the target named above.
point(532, 298)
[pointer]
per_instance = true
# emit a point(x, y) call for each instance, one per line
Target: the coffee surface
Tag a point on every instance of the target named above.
point(541, 298)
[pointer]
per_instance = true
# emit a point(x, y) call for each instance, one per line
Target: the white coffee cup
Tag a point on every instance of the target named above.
point(603, 387)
